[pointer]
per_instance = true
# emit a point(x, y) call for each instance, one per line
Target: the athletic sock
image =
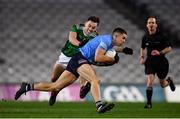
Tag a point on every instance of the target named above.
point(98, 104)
point(149, 92)
point(30, 87)
point(168, 80)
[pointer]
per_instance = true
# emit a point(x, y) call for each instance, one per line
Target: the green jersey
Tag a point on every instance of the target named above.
point(69, 49)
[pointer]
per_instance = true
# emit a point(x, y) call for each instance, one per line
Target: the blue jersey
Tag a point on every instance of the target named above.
point(101, 41)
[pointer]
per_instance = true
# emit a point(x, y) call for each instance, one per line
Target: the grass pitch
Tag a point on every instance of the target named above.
point(17, 109)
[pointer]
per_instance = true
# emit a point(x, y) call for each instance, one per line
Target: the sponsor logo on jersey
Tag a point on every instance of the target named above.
point(82, 61)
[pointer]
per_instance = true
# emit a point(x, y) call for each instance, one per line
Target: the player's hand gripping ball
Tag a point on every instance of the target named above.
point(113, 54)
point(110, 53)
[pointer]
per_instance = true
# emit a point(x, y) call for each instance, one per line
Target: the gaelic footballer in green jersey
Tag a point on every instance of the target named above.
point(78, 36)
point(70, 49)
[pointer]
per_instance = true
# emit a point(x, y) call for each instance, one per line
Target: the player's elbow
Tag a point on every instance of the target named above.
point(98, 58)
point(170, 49)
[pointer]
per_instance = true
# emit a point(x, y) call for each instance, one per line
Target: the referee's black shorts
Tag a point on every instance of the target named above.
point(75, 62)
point(158, 66)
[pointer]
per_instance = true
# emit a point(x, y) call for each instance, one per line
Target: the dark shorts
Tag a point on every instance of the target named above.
point(75, 62)
point(158, 66)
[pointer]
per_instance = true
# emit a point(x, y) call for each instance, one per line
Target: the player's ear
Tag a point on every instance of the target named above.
point(114, 36)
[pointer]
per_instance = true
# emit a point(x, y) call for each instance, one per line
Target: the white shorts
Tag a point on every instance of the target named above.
point(63, 60)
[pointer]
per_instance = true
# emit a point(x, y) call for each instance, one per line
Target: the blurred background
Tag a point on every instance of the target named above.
point(32, 32)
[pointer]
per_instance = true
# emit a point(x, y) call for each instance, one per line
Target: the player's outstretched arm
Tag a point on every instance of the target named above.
point(127, 51)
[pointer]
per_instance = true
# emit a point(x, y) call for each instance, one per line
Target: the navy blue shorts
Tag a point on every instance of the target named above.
point(75, 62)
point(157, 65)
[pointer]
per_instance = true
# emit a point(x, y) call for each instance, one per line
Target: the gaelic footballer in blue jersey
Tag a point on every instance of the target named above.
point(80, 65)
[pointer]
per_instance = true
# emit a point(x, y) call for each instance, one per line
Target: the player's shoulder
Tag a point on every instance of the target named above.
point(161, 35)
point(78, 26)
point(106, 38)
point(145, 36)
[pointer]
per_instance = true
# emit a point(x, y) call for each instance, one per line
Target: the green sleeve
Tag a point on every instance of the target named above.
point(74, 28)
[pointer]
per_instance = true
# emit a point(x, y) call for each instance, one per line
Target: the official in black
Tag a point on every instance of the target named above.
point(156, 45)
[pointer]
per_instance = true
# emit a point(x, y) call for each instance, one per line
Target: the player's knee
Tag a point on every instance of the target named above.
point(98, 81)
point(163, 86)
point(164, 83)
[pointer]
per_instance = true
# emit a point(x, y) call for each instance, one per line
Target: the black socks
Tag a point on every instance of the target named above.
point(149, 92)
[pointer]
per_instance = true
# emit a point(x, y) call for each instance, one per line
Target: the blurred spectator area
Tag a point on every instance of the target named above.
point(166, 11)
point(34, 31)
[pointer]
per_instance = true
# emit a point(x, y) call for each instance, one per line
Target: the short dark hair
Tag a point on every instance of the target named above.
point(152, 17)
point(119, 30)
point(94, 19)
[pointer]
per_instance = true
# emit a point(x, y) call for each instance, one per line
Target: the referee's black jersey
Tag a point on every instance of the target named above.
point(157, 41)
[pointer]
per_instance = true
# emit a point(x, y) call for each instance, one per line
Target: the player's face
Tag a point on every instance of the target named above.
point(119, 39)
point(151, 25)
point(90, 27)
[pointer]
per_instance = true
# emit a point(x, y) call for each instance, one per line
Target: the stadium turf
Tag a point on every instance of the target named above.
point(86, 110)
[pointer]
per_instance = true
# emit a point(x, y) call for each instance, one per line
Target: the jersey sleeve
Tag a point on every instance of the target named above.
point(103, 45)
point(167, 42)
point(74, 28)
point(143, 43)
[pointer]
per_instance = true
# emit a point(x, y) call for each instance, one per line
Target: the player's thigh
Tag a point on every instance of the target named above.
point(149, 67)
point(59, 66)
point(56, 72)
point(66, 79)
point(87, 72)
